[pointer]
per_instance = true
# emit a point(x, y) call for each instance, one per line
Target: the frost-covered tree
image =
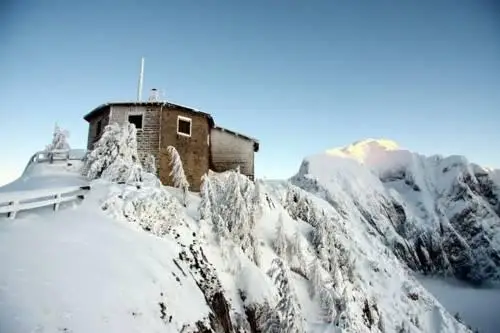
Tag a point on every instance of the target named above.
point(177, 173)
point(343, 319)
point(315, 278)
point(224, 248)
point(233, 207)
point(114, 156)
point(231, 203)
point(219, 226)
point(257, 207)
point(327, 304)
point(257, 253)
point(347, 264)
point(280, 243)
point(286, 315)
point(240, 219)
point(337, 278)
point(300, 206)
point(236, 206)
point(205, 208)
point(59, 140)
point(150, 164)
point(296, 247)
point(320, 240)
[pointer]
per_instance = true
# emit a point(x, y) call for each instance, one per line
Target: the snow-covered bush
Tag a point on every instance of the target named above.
point(177, 173)
point(153, 209)
point(114, 156)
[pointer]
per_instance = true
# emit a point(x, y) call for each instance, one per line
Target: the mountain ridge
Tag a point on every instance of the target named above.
point(413, 200)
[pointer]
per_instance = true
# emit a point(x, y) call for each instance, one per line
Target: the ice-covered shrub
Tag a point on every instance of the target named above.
point(153, 209)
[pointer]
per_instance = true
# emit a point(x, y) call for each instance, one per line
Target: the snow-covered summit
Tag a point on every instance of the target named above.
point(425, 207)
point(364, 150)
point(374, 153)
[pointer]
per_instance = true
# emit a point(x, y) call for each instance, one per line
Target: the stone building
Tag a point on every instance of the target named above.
point(201, 144)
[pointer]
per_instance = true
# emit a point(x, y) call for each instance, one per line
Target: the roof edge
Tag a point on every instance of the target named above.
point(99, 108)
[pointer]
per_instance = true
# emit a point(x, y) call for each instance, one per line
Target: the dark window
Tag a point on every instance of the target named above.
point(135, 119)
point(99, 128)
point(184, 126)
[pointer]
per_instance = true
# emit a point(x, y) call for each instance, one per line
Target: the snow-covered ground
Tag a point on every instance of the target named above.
point(478, 307)
point(331, 253)
point(38, 176)
point(132, 259)
point(80, 271)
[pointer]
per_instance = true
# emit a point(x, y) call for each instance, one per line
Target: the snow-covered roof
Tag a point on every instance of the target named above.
point(101, 107)
point(255, 141)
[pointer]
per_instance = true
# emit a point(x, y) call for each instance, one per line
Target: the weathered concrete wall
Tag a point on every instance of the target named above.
point(194, 150)
point(92, 136)
point(148, 138)
point(230, 151)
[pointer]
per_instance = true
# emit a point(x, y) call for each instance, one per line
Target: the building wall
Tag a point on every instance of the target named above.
point(148, 138)
point(194, 151)
point(228, 151)
point(206, 148)
point(92, 136)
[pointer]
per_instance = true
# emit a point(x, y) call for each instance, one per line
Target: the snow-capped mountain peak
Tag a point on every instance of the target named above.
point(366, 151)
point(373, 153)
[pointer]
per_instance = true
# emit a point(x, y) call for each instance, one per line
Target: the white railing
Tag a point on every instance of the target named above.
point(13, 202)
point(56, 155)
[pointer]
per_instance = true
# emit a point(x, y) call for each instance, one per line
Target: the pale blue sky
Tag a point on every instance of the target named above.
point(301, 76)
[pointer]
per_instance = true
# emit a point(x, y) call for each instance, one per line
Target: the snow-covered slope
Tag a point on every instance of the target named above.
point(81, 271)
point(440, 215)
point(269, 257)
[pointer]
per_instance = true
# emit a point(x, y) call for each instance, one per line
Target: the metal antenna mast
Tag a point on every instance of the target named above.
point(141, 78)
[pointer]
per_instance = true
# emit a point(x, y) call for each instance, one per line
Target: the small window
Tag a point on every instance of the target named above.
point(98, 128)
point(183, 126)
point(135, 119)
